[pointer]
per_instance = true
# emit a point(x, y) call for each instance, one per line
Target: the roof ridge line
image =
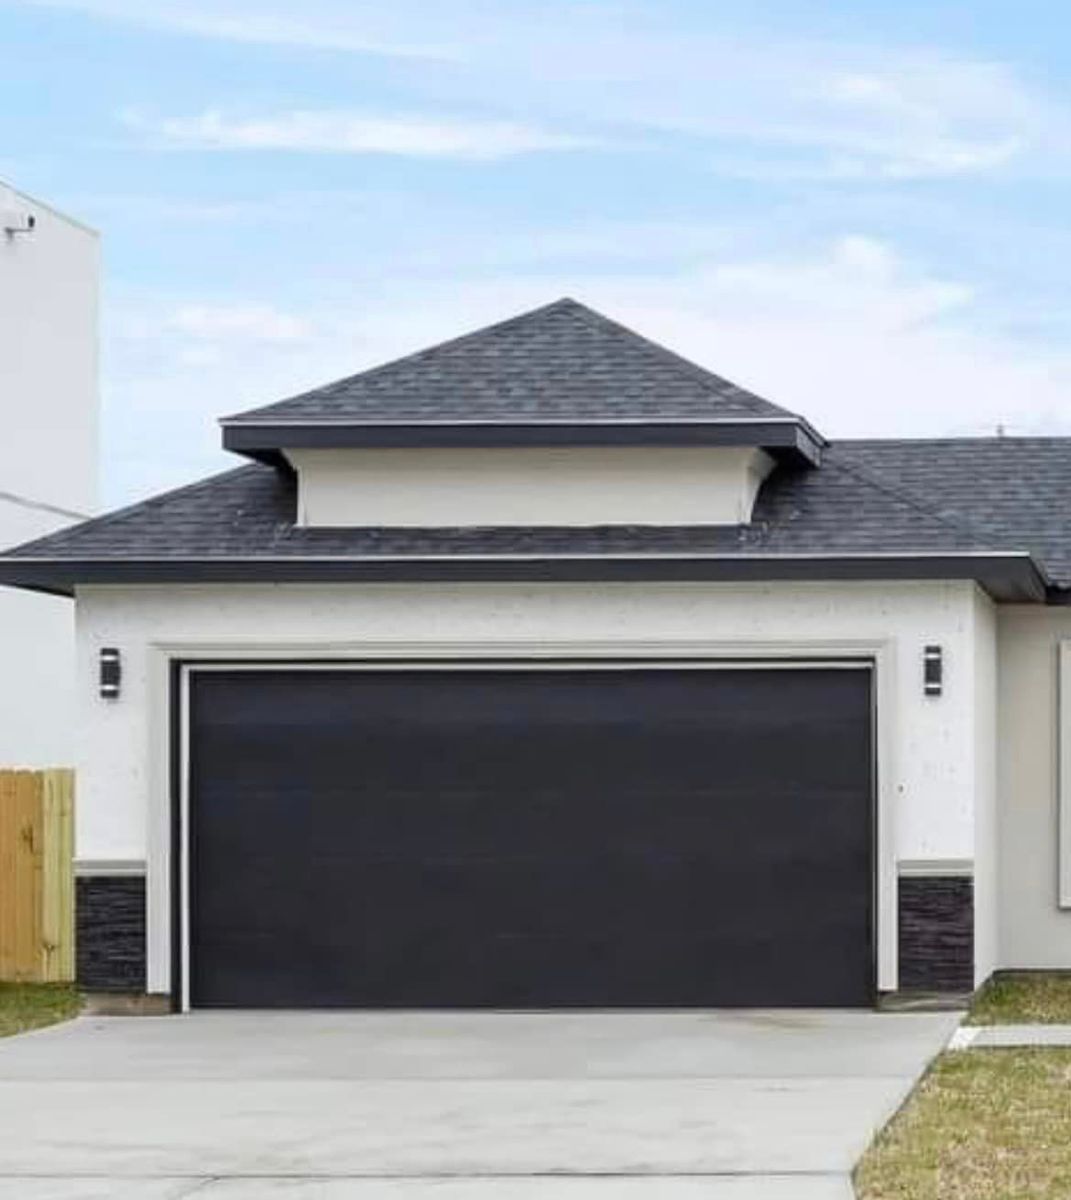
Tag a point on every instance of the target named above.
point(878, 480)
point(672, 358)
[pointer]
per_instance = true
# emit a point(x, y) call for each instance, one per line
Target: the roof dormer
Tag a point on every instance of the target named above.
point(556, 417)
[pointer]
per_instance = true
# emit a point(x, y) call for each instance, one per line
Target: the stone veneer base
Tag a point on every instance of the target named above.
point(936, 929)
point(110, 933)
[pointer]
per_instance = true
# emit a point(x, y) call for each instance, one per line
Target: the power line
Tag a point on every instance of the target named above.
point(41, 506)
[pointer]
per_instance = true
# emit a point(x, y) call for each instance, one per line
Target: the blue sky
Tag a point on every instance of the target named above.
point(858, 209)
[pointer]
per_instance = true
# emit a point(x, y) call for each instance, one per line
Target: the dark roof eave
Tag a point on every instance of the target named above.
point(788, 438)
point(1008, 578)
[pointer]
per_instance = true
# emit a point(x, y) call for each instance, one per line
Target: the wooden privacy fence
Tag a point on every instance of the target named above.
point(37, 876)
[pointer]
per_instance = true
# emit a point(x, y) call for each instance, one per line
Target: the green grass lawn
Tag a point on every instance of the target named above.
point(1024, 997)
point(982, 1125)
point(26, 1006)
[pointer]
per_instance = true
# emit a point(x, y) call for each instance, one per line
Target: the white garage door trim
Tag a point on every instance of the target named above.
point(534, 656)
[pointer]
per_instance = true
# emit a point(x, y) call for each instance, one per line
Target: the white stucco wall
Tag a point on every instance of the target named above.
point(48, 462)
point(1034, 931)
point(929, 759)
point(650, 485)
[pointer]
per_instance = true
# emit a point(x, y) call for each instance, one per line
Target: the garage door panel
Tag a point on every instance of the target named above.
point(520, 838)
point(522, 820)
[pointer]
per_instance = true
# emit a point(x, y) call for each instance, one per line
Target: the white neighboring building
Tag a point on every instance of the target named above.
point(49, 408)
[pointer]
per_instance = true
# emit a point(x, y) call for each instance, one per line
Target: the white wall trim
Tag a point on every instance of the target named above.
point(1063, 775)
point(539, 652)
point(936, 868)
point(184, 827)
point(93, 868)
point(496, 649)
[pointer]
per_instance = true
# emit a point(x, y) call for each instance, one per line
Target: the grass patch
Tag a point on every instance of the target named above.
point(26, 1006)
point(1024, 997)
point(982, 1125)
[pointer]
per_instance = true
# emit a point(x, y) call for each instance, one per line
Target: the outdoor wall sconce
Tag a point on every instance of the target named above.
point(932, 671)
point(110, 673)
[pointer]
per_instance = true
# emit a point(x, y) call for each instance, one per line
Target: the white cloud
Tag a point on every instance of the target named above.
point(770, 107)
point(241, 322)
point(927, 116)
point(862, 340)
point(858, 338)
point(123, 208)
point(254, 23)
point(336, 132)
point(280, 30)
point(841, 112)
point(858, 275)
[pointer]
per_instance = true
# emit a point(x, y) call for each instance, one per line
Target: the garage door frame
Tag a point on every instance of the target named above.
point(182, 669)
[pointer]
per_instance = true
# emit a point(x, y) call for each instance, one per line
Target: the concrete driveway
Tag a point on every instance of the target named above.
point(437, 1106)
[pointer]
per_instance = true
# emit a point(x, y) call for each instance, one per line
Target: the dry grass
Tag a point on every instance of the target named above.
point(1024, 997)
point(26, 1006)
point(982, 1125)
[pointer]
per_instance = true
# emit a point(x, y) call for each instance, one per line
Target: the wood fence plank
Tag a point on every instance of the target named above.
point(51, 882)
point(21, 875)
point(36, 876)
point(27, 875)
point(34, 842)
point(57, 895)
point(50, 878)
point(8, 834)
point(66, 960)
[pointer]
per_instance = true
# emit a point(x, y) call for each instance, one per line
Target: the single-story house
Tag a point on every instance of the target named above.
point(546, 668)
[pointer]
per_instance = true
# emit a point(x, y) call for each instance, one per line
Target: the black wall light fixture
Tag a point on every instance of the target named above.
point(111, 673)
point(933, 671)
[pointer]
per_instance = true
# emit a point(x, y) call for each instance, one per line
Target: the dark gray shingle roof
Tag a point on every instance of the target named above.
point(867, 498)
point(1015, 492)
point(563, 362)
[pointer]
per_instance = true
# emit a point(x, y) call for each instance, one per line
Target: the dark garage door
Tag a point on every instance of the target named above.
point(530, 838)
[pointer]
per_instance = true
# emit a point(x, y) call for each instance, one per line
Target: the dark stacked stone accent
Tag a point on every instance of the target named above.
point(936, 931)
point(111, 933)
point(936, 934)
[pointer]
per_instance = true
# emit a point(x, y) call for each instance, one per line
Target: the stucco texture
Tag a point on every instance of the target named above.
point(928, 760)
point(1034, 931)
